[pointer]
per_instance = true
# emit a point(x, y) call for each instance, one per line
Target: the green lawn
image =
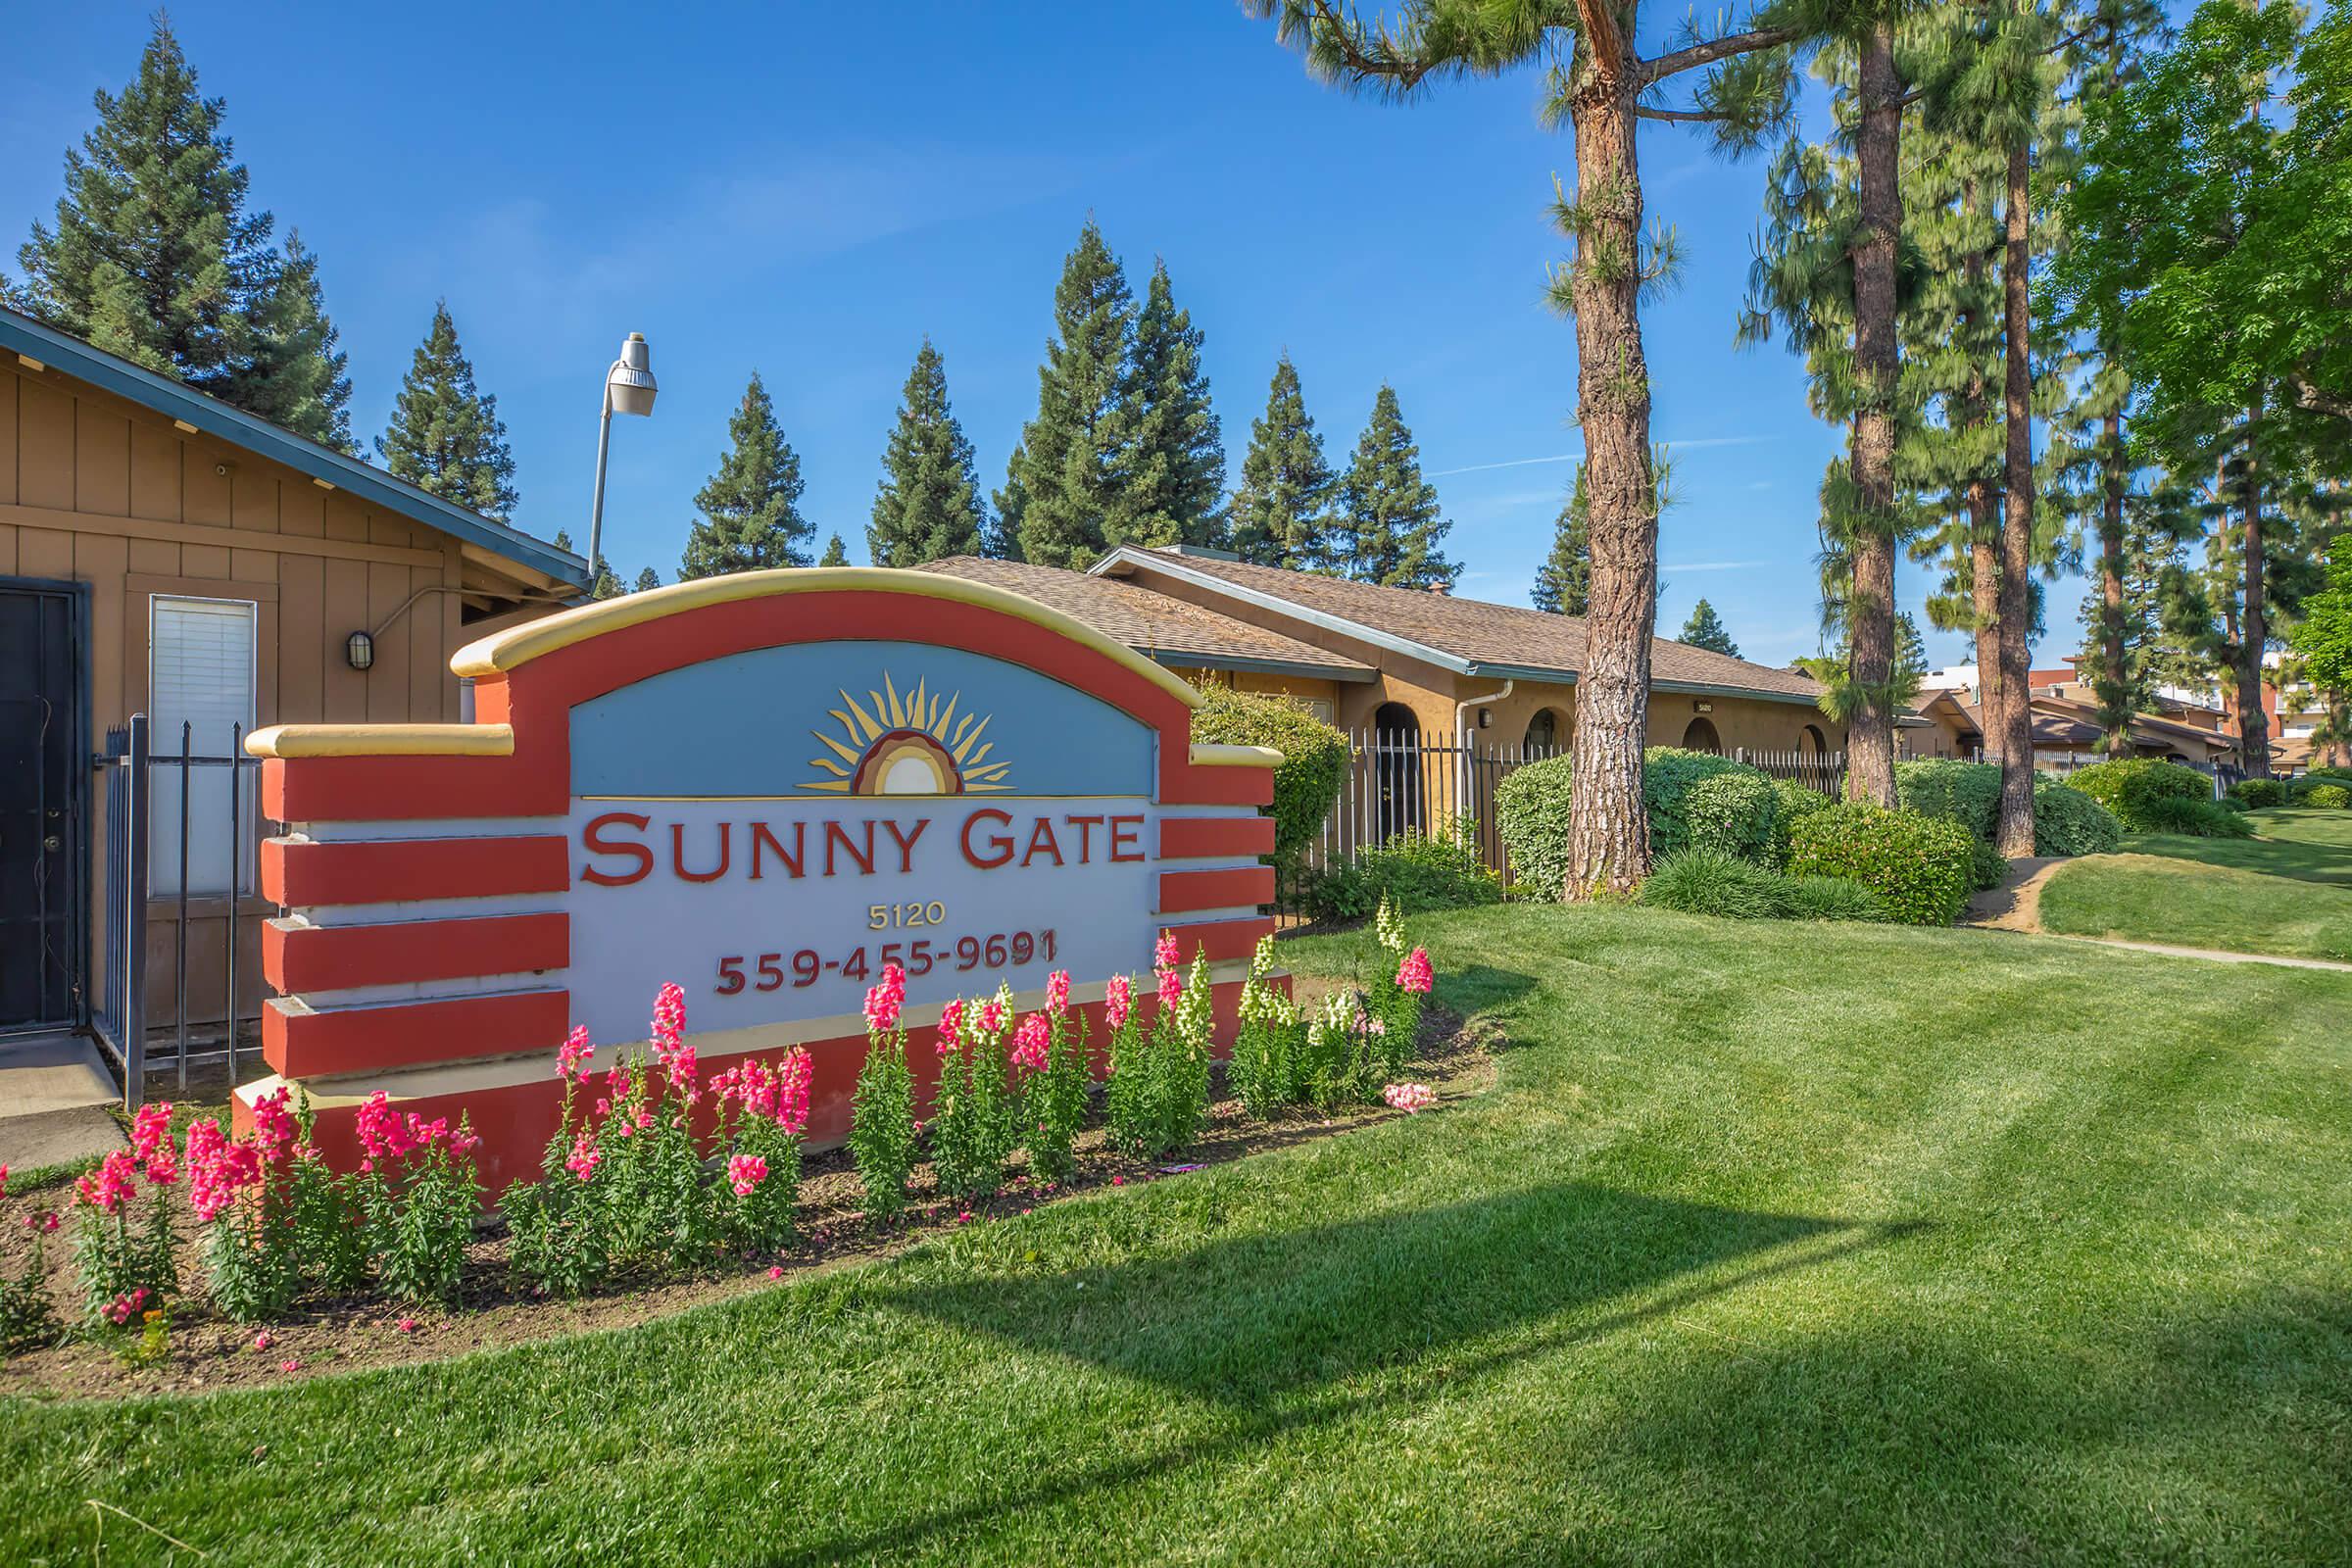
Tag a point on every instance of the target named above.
point(1775, 1241)
point(2287, 891)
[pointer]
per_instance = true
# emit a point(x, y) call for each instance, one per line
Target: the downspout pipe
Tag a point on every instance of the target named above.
point(1461, 741)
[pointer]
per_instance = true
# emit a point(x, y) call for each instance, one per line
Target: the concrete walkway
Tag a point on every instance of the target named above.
point(2015, 905)
point(55, 1094)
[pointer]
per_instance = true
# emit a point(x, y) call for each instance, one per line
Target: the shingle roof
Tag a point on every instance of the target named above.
point(1170, 630)
point(1468, 633)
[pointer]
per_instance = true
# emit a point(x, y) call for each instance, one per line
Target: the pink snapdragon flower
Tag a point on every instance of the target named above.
point(43, 1223)
point(274, 1127)
point(571, 1056)
point(1171, 986)
point(1057, 990)
point(112, 1185)
point(1411, 1098)
point(992, 1017)
point(1413, 974)
point(671, 1050)
point(3, 1181)
point(585, 1155)
point(151, 1143)
point(791, 1111)
point(951, 1027)
point(1166, 955)
point(123, 1308)
point(264, 1339)
point(745, 1172)
point(1032, 1042)
point(1118, 997)
point(884, 1001)
point(218, 1169)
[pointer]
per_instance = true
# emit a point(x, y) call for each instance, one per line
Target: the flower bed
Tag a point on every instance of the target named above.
point(219, 1261)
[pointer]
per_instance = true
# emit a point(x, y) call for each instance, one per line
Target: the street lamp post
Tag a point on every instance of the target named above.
point(629, 388)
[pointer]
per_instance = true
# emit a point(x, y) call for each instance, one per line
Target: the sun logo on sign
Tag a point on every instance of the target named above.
point(911, 745)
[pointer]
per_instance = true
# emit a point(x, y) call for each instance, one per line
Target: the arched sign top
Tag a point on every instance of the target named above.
point(508, 649)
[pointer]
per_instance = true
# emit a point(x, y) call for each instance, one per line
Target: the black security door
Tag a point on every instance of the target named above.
point(41, 853)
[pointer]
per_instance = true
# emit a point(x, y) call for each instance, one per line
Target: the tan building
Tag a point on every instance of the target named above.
point(162, 553)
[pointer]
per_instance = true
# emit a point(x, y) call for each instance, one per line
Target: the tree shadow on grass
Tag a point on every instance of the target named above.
point(2297, 860)
point(1307, 1328)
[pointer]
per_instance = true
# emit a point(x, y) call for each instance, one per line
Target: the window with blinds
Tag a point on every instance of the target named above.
point(201, 674)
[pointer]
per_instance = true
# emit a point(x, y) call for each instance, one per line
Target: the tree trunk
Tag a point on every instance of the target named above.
point(2253, 722)
point(1870, 604)
point(2112, 686)
point(1983, 534)
point(2014, 835)
point(1608, 830)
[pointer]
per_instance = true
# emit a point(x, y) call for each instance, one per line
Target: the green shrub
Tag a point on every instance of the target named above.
point(2066, 820)
point(2230, 802)
point(1418, 871)
point(2332, 796)
point(2298, 791)
point(1531, 812)
point(2203, 819)
point(1919, 866)
point(2260, 791)
point(1668, 776)
point(1792, 801)
point(1985, 866)
point(1734, 812)
point(1705, 880)
point(1314, 758)
point(1829, 897)
point(2129, 786)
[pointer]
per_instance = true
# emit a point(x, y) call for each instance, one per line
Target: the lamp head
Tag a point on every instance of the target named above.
point(631, 382)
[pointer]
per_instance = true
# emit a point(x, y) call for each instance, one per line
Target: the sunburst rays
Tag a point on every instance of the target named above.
point(951, 742)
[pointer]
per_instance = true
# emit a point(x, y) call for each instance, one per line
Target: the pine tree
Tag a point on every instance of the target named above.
point(1064, 480)
point(155, 258)
point(751, 517)
point(1282, 512)
point(562, 540)
point(604, 582)
point(1390, 523)
point(1705, 629)
point(294, 374)
point(648, 578)
point(1910, 652)
point(836, 553)
point(445, 436)
point(928, 505)
point(1564, 583)
point(1172, 468)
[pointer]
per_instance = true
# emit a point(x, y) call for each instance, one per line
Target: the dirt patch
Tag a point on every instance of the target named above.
point(2016, 905)
point(333, 1335)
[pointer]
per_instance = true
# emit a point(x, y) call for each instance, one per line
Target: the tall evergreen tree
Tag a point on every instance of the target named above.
point(648, 578)
point(1172, 468)
point(1705, 629)
point(155, 258)
point(563, 539)
point(1601, 86)
point(1390, 524)
point(1564, 583)
point(1065, 478)
point(1282, 512)
point(928, 505)
point(294, 374)
point(445, 436)
point(751, 517)
point(837, 554)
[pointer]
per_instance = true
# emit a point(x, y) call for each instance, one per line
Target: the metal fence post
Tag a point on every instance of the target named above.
point(180, 934)
point(237, 880)
point(133, 893)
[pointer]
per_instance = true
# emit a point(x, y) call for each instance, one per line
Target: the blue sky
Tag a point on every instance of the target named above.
point(807, 190)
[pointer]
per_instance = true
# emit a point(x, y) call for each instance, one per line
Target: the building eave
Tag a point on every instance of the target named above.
point(199, 411)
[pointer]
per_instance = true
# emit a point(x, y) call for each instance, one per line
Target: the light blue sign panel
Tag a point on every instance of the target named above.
point(804, 721)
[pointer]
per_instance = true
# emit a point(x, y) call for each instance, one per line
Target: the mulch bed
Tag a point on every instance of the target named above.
point(340, 1333)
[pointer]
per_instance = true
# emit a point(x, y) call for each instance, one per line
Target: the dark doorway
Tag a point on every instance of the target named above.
point(1702, 736)
point(43, 758)
point(1397, 758)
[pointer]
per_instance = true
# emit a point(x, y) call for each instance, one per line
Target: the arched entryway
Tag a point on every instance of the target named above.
point(1702, 736)
point(1813, 758)
point(1396, 769)
point(1547, 733)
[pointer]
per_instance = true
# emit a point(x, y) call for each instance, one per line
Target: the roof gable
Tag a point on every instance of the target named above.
point(198, 410)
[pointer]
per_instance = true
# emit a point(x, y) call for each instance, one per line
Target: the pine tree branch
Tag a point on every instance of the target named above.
point(1681, 116)
point(1343, 38)
point(1714, 49)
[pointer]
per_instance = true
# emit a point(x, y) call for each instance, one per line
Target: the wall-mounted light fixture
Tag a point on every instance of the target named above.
point(360, 650)
point(1486, 718)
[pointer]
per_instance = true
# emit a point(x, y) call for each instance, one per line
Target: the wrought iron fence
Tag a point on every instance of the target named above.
point(135, 1035)
point(1403, 780)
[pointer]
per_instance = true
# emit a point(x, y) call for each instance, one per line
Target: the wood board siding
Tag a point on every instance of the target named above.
point(97, 489)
